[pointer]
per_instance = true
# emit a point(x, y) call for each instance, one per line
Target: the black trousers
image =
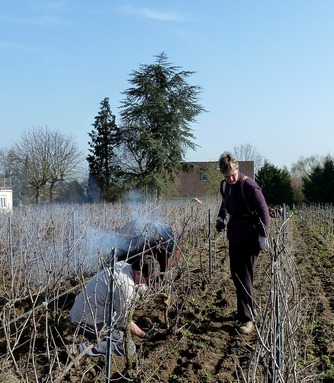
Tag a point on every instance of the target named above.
point(243, 256)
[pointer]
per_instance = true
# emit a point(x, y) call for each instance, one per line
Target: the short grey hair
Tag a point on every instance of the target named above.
point(228, 163)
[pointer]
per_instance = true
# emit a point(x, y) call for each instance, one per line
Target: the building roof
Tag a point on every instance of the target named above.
point(204, 178)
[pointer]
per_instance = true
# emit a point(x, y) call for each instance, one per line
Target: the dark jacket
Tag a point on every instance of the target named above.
point(244, 210)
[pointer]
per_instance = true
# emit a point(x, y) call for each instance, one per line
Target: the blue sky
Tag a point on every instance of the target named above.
point(266, 68)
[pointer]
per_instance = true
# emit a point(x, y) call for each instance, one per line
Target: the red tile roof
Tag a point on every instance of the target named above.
point(204, 179)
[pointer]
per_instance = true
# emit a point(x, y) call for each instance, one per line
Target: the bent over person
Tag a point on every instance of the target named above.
point(246, 212)
point(91, 308)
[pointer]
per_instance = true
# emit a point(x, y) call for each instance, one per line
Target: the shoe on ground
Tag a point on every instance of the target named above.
point(246, 328)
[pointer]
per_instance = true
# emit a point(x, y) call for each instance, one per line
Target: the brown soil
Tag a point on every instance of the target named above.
point(201, 343)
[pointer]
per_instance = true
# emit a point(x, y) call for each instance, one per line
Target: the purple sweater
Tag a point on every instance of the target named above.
point(233, 205)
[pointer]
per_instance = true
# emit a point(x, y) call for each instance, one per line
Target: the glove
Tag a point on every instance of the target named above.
point(220, 225)
point(151, 331)
point(264, 244)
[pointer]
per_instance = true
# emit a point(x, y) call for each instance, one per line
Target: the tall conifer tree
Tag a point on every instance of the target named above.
point(102, 183)
point(156, 117)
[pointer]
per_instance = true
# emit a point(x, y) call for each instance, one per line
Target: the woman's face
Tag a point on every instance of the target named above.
point(232, 177)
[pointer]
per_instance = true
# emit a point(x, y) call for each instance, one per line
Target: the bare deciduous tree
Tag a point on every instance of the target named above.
point(64, 160)
point(304, 166)
point(44, 158)
point(247, 152)
point(6, 166)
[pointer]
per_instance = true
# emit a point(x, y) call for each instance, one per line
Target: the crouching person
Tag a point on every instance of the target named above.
point(92, 306)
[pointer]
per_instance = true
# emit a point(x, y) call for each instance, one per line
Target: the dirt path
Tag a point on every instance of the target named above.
point(211, 350)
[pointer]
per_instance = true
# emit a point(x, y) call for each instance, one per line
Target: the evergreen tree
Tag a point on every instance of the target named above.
point(103, 180)
point(318, 186)
point(156, 116)
point(275, 184)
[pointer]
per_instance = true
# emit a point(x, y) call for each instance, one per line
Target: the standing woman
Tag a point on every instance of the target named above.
point(246, 212)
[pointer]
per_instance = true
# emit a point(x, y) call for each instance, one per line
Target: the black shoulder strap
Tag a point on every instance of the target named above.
point(242, 181)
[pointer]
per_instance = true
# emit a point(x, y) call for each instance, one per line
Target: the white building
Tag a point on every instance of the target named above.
point(6, 195)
